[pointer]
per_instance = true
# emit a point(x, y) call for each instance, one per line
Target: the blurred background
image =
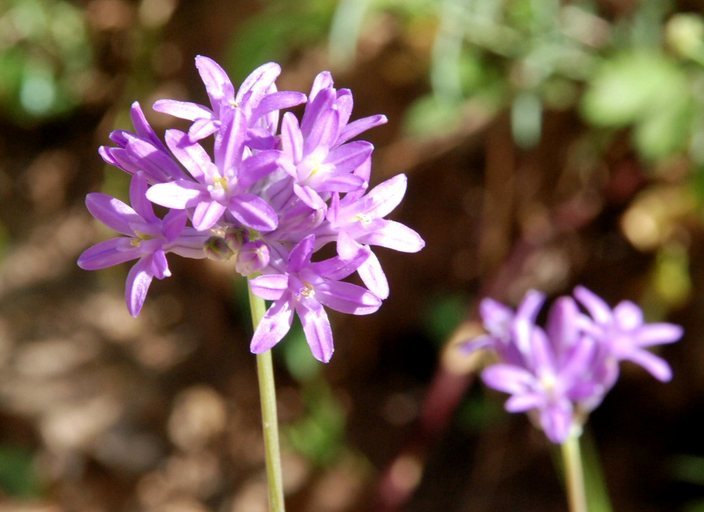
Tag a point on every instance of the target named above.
point(547, 144)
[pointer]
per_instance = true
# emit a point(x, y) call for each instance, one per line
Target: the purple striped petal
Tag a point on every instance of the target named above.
point(173, 224)
point(348, 157)
point(656, 366)
point(277, 101)
point(137, 285)
point(207, 214)
point(217, 83)
point(301, 253)
point(373, 276)
point(138, 198)
point(192, 155)
point(253, 212)
point(183, 109)
point(396, 236)
point(291, 138)
point(273, 326)
point(360, 125)
point(108, 253)
point(112, 212)
point(316, 327)
point(269, 286)
point(347, 298)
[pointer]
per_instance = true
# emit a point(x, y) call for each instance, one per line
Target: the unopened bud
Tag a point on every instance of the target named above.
point(252, 257)
point(235, 238)
point(216, 248)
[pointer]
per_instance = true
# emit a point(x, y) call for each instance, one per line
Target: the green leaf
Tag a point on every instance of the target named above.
point(632, 86)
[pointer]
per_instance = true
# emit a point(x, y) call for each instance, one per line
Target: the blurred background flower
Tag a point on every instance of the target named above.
point(546, 144)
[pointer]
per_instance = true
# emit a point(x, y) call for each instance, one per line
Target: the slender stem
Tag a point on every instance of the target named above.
point(270, 425)
point(574, 474)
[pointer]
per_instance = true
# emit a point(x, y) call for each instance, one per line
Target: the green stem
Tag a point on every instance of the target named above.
point(270, 425)
point(574, 474)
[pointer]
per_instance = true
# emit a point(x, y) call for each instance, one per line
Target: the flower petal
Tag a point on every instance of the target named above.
point(269, 286)
point(108, 253)
point(253, 212)
point(508, 378)
point(394, 235)
point(176, 194)
point(360, 125)
point(316, 327)
point(347, 297)
point(137, 285)
point(112, 212)
point(207, 214)
point(273, 326)
point(183, 109)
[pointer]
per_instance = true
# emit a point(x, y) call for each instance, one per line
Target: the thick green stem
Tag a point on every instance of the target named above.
point(574, 474)
point(270, 425)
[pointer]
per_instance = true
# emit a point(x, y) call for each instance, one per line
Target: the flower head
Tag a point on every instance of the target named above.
point(563, 371)
point(267, 196)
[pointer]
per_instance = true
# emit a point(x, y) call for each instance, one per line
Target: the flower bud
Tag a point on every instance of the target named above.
point(252, 257)
point(216, 248)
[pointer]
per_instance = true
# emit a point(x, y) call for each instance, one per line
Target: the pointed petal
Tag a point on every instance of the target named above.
point(273, 326)
point(599, 310)
point(183, 109)
point(657, 334)
point(229, 144)
point(112, 212)
point(508, 378)
point(137, 285)
point(348, 157)
point(192, 155)
point(253, 212)
point(301, 253)
point(207, 214)
point(347, 297)
point(291, 137)
point(269, 286)
point(257, 167)
point(360, 125)
point(176, 194)
point(373, 276)
point(525, 402)
point(202, 128)
point(277, 101)
point(656, 366)
point(316, 327)
point(142, 126)
point(138, 198)
point(309, 196)
point(341, 183)
point(396, 236)
point(159, 267)
point(259, 81)
point(338, 268)
point(385, 197)
point(216, 81)
point(108, 253)
point(174, 223)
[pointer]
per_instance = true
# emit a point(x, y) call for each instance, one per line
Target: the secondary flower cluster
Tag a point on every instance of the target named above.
point(274, 192)
point(562, 372)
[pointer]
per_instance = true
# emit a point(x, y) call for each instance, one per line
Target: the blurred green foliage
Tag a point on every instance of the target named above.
point(45, 58)
point(18, 477)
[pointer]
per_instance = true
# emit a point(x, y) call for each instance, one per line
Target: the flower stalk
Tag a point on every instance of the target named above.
point(270, 425)
point(574, 473)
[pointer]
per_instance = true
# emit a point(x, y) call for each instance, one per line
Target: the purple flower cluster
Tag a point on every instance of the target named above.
point(273, 193)
point(562, 372)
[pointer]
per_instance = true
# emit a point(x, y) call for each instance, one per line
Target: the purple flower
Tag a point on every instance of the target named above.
point(257, 98)
point(305, 288)
point(266, 198)
point(317, 154)
point(625, 335)
point(561, 373)
point(145, 237)
point(223, 186)
point(141, 151)
point(356, 222)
